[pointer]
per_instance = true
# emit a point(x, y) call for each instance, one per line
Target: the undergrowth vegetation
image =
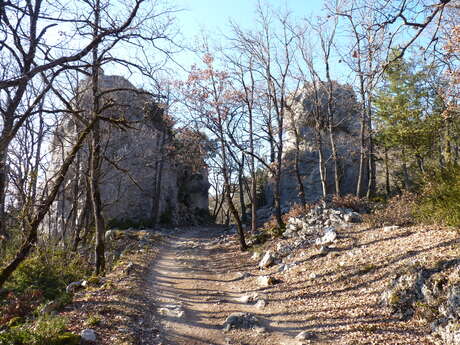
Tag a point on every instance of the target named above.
point(398, 210)
point(45, 330)
point(352, 202)
point(41, 278)
point(440, 201)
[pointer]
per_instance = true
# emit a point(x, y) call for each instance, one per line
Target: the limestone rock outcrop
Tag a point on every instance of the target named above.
point(143, 182)
point(308, 111)
point(431, 294)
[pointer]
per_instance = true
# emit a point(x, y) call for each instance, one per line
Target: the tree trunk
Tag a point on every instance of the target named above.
point(253, 176)
point(96, 156)
point(387, 175)
point(96, 200)
point(157, 183)
point(277, 198)
point(330, 118)
point(279, 164)
point(241, 193)
point(405, 171)
point(81, 219)
point(3, 183)
point(321, 165)
point(372, 168)
point(228, 195)
point(334, 161)
point(303, 199)
point(362, 152)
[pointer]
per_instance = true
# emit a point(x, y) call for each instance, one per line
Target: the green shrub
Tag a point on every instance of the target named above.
point(440, 202)
point(93, 320)
point(42, 277)
point(50, 271)
point(16, 306)
point(46, 330)
point(296, 210)
point(272, 229)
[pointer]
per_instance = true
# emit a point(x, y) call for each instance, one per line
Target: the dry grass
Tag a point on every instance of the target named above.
point(351, 201)
point(399, 210)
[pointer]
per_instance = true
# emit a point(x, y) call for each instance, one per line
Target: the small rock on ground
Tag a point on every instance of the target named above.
point(88, 336)
point(240, 321)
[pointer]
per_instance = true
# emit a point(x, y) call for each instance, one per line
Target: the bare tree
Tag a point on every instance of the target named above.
point(363, 58)
point(34, 218)
point(30, 63)
point(245, 84)
point(272, 55)
point(212, 104)
point(313, 111)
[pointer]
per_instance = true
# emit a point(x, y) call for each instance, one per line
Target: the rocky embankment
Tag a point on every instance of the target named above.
point(420, 288)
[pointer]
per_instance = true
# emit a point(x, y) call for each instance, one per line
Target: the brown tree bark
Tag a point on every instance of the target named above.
point(96, 156)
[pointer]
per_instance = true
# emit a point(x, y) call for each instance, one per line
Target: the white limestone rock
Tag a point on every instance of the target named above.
point(267, 260)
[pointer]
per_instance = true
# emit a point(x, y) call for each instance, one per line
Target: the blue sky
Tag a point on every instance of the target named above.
point(214, 15)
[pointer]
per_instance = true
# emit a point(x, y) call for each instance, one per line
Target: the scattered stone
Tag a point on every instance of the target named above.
point(260, 330)
point(451, 308)
point(390, 228)
point(323, 250)
point(330, 235)
point(352, 217)
point(240, 321)
point(256, 256)
point(448, 331)
point(245, 299)
point(73, 287)
point(129, 268)
point(283, 249)
point(171, 311)
point(404, 290)
point(243, 275)
point(88, 336)
point(265, 281)
point(304, 335)
point(267, 260)
point(261, 303)
point(109, 236)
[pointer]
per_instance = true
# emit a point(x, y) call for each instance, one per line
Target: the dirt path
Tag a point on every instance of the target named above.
point(187, 280)
point(197, 281)
point(199, 276)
